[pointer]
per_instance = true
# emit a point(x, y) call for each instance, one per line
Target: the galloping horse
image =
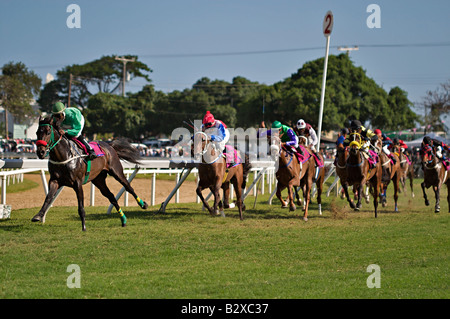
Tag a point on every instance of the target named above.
point(67, 167)
point(434, 174)
point(390, 172)
point(406, 169)
point(359, 172)
point(319, 179)
point(290, 172)
point(214, 174)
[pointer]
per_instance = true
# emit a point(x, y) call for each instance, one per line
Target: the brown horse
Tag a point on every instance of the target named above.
point(359, 172)
point(214, 174)
point(319, 179)
point(434, 174)
point(390, 172)
point(289, 173)
point(406, 170)
point(68, 167)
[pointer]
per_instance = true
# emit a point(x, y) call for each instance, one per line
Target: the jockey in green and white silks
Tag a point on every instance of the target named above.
point(72, 124)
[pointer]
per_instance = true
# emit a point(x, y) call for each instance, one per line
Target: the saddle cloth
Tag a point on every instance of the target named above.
point(94, 145)
point(231, 156)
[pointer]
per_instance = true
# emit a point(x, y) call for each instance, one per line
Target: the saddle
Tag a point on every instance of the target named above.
point(372, 158)
point(94, 145)
point(231, 156)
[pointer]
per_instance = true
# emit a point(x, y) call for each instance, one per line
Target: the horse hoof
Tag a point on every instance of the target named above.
point(124, 225)
point(222, 213)
point(292, 208)
point(427, 203)
point(36, 218)
point(232, 205)
point(145, 205)
point(305, 219)
point(437, 210)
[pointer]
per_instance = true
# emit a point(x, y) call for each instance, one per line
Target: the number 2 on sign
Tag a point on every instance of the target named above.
point(328, 24)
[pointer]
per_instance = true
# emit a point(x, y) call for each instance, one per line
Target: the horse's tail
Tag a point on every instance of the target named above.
point(246, 166)
point(126, 151)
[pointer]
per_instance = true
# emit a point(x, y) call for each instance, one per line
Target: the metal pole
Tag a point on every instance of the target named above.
point(322, 95)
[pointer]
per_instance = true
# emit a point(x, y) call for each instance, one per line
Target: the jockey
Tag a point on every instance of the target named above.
point(342, 137)
point(432, 142)
point(387, 142)
point(305, 129)
point(366, 135)
point(287, 135)
point(217, 130)
point(72, 124)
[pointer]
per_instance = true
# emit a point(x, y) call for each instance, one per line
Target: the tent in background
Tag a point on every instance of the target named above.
point(417, 142)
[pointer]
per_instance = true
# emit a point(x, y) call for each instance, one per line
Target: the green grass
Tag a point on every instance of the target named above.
point(186, 253)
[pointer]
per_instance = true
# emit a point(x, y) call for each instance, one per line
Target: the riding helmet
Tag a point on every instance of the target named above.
point(301, 124)
point(276, 124)
point(58, 107)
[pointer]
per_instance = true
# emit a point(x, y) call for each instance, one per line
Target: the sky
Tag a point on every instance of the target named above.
point(265, 41)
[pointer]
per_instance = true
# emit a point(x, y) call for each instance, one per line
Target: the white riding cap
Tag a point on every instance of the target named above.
point(301, 124)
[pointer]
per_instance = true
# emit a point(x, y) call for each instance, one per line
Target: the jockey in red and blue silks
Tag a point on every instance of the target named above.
point(217, 130)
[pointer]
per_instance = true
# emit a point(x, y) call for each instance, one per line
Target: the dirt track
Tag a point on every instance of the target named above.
point(34, 198)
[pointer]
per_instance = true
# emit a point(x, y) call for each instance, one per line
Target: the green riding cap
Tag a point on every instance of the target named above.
point(58, 107)
point(276, 124)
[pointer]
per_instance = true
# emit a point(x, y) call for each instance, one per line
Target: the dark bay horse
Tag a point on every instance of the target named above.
point(359, 172)
point(214, 174)
point(67, 167)
point(434, 174)
point(290, 172)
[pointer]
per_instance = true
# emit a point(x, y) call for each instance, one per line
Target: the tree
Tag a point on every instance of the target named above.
point(102, 75)
point(437, 104)
point(18, 86)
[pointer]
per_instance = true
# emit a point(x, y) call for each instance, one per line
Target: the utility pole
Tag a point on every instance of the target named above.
point(70, 88)
point(348, 49)
point(124, 61)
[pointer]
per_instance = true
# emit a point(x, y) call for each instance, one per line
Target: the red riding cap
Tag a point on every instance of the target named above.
point(208, 118)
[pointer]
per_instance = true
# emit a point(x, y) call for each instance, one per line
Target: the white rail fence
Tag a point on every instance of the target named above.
point(264, 173)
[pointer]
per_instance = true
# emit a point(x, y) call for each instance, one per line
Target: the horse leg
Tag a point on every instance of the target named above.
point(216, 194)
point(396, 191)
point(78, 188)
point(437, 208)
point(291, 198)
point(53, 187)
point(100, 183)
point(307, 198)
point(205, 203)
point(319, 196)
point(350, 201)
point(278, 193)
point(411, 183)
point(117, 173)
point(427, 203)
point(226, 194)
point(360, 190)
point(237, 183)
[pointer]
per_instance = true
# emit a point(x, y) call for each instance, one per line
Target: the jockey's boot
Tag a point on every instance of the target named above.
point(91, 153)
point(299, 150)
point(393, 158)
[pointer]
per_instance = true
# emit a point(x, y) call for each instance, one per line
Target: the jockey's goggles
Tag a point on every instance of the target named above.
point(209, 124)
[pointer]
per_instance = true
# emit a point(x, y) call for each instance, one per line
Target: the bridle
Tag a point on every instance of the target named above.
point(51, 145)
point(205, 148)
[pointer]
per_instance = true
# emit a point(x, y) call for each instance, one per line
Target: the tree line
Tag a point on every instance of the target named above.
point(94, 87)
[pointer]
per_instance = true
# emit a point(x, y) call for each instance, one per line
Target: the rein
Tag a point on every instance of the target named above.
point(52, 145)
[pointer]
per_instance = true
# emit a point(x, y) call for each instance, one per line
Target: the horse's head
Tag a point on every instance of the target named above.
point(302, 140)
point(275, 147)
point(47, 135)
point(355, 142)
point(429, 155)
point(201, 146)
